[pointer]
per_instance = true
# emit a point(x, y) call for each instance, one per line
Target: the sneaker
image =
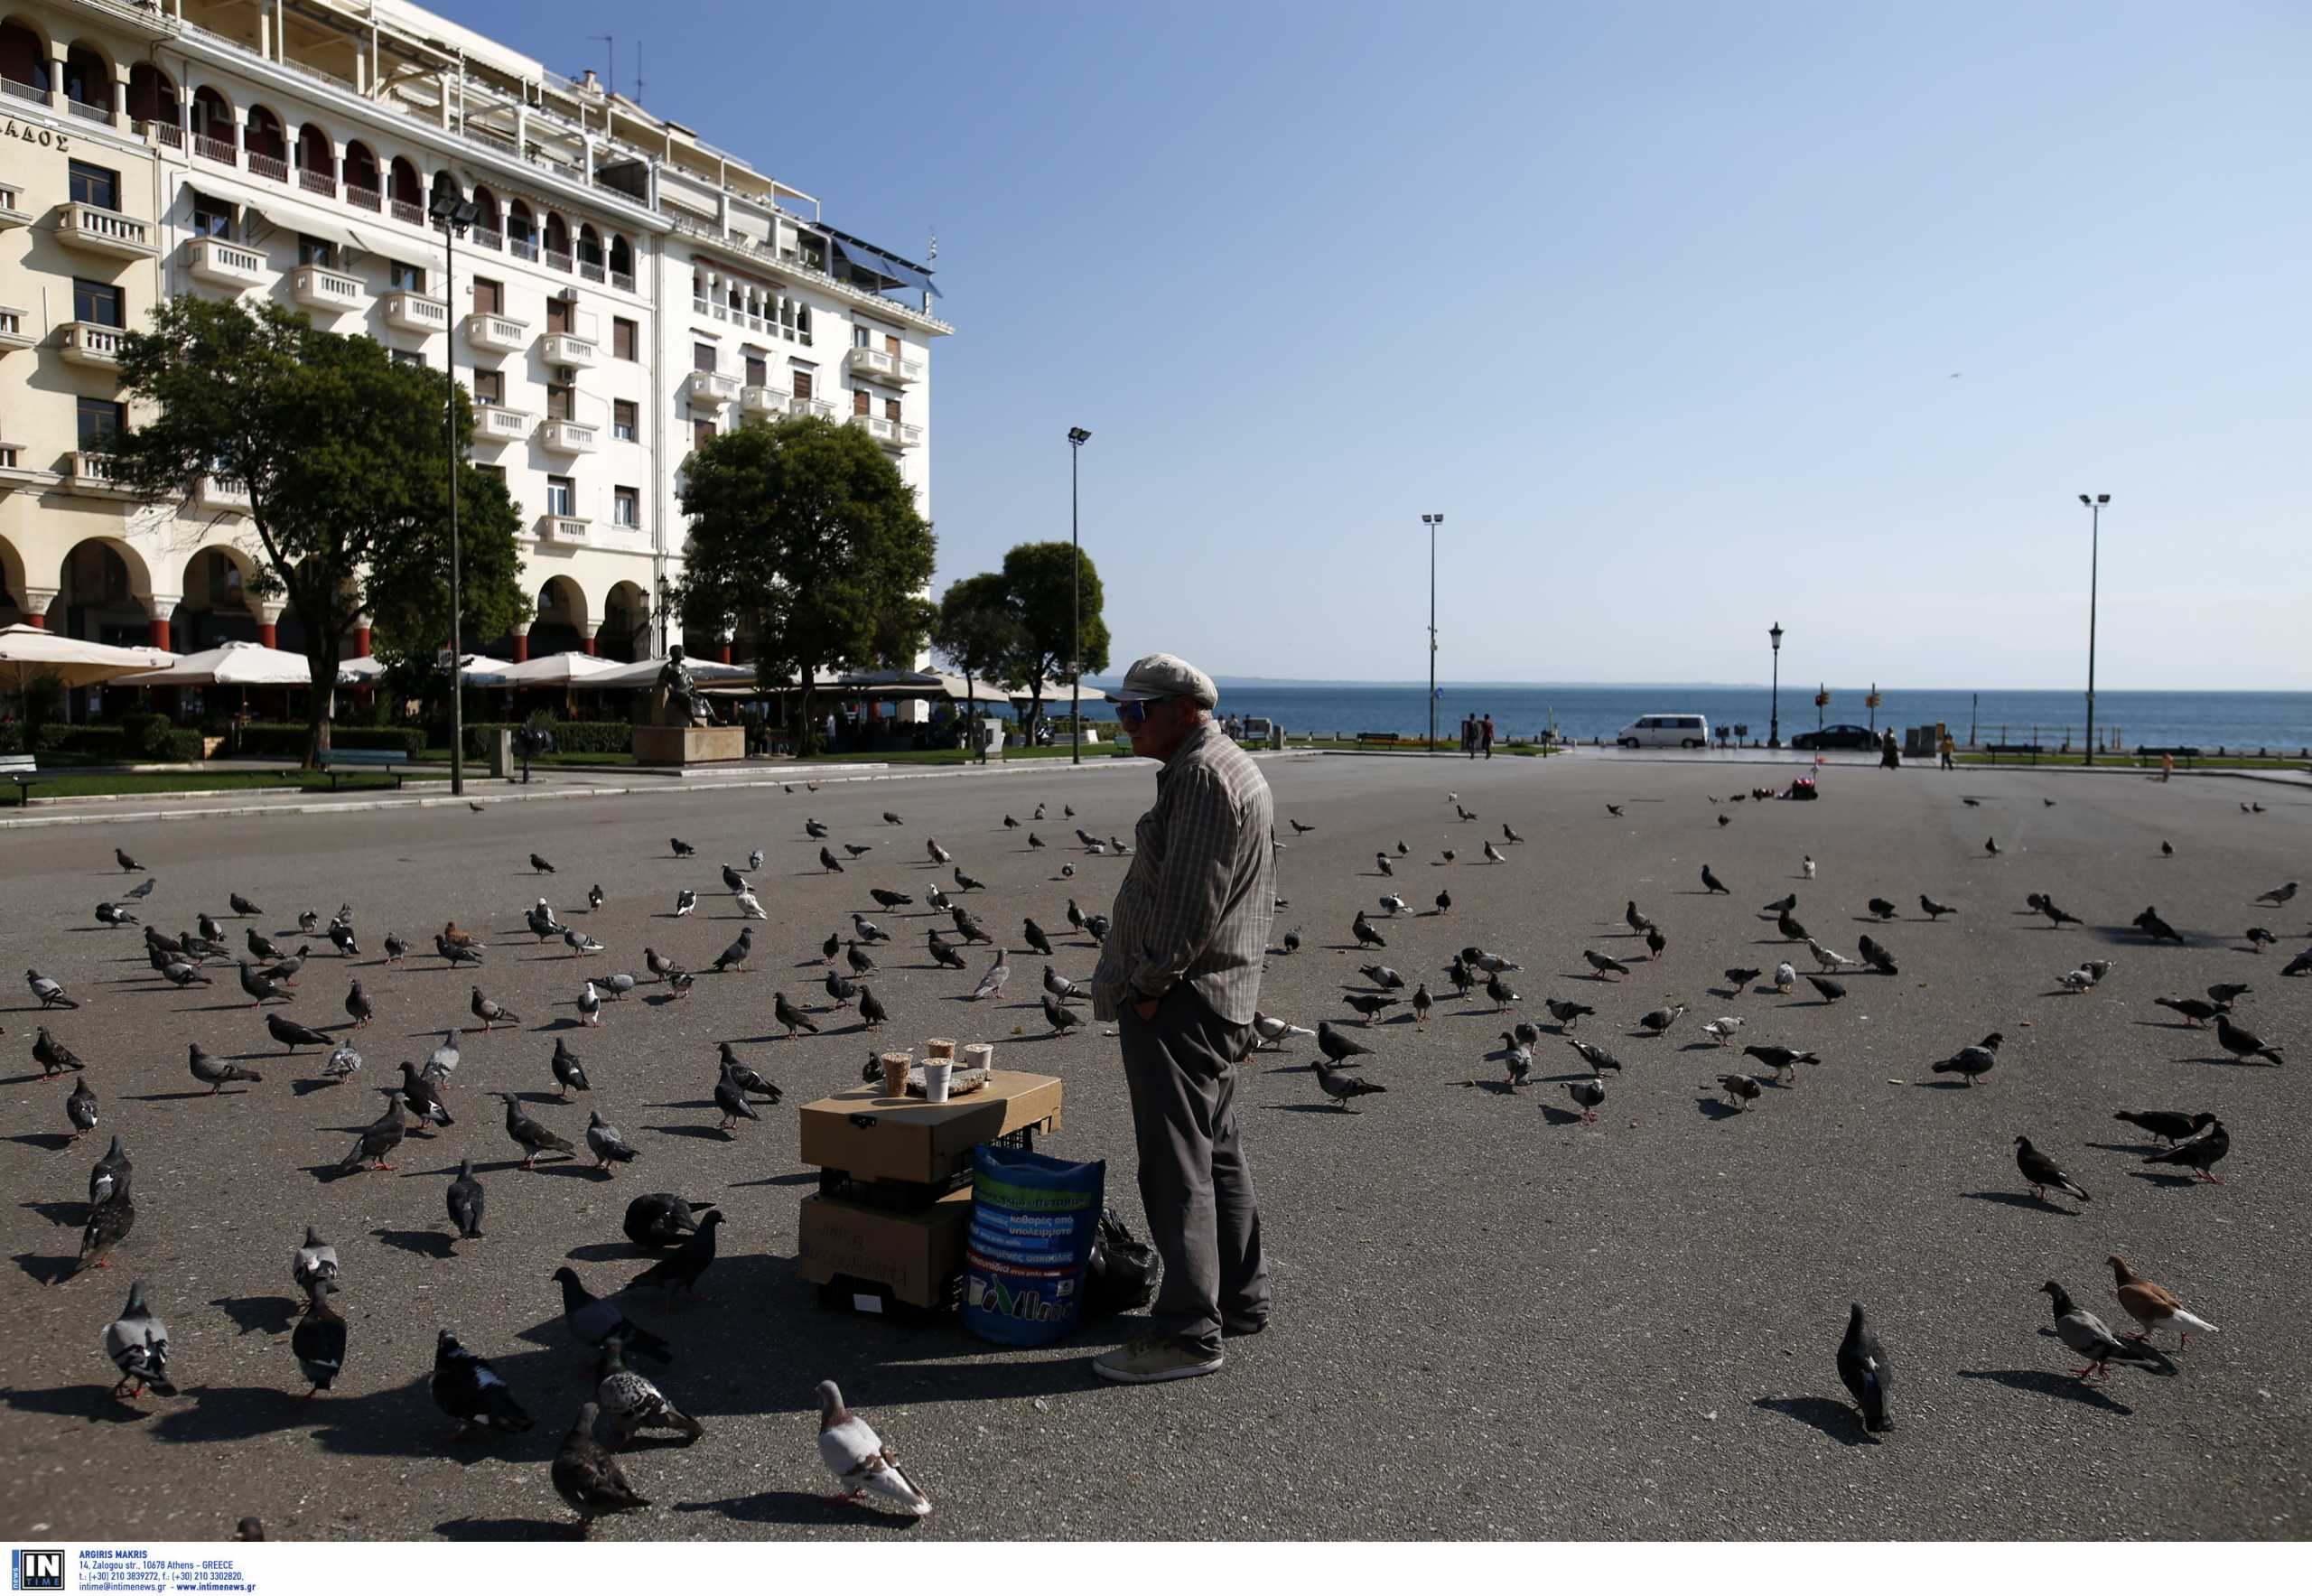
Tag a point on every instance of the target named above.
point(1146, 1359)
point(1235, 1328)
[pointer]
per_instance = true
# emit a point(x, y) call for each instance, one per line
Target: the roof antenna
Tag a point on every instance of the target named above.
point(932, 254)
point(637, 71)
point(610, 84)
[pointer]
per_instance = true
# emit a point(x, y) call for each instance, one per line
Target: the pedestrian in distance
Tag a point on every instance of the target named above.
point(1180, 973)
point(1484, 735)
point(1949, 748)
point(1890, 758)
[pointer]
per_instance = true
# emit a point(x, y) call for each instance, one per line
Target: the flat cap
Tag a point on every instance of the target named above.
point(1166, 676)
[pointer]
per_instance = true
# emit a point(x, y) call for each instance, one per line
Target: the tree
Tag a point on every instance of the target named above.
point(409, 611)
point(803, 534)
point(977, 631)
point(341, 450)
point(1036, 581)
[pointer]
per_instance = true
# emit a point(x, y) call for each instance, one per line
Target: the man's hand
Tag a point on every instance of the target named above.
point(1147, 1010)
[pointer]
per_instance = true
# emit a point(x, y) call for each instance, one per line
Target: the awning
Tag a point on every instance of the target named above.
point(868, 258)
point(291, 217)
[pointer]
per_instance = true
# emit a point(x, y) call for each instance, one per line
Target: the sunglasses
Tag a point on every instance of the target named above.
point(1135, 711)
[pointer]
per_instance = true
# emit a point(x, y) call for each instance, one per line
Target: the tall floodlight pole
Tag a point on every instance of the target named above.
point(1076, 438)
point(2094, 552)
point(455, 215)
point(1774, 731)
point(1432, 522)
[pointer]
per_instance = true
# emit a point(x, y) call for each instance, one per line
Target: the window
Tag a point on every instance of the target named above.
point(861, 404)
point(496, 470)
point(758, 371)
point(626, 339)
point(97, 302)
point(891, 346)
point(561, 401)
point(626, 507)
point(406, 276)
point(211, 218)
point(561, 494)
point(488, 388)
point(406, 356)
point(558, 313)
point(101, 421)
point(861, 339)
point(700, 432)
point(489, 297)
point(701, 357)
point(802, 383)
point(95, 185)
point(622, 420)
point(315, 252)
point(891, 409)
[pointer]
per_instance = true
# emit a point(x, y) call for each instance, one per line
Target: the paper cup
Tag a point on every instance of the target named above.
point(895, 1068)
point(939, 1048)
point(935, 1079)
point(979, 1055)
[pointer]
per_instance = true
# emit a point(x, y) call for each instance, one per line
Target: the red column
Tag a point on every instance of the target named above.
point(590, 645)
point(360, 643)
point(36, 618)
point(160, 633)
point(722, 653)
point(267, 634)
point(521, 647)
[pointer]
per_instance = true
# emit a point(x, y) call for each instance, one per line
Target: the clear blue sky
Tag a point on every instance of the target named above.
point(1659, 304)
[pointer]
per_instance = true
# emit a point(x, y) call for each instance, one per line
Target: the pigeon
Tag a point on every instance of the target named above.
point(540, 918)
point(593, 1321)
point(540, 865)
point(2167, 1125)
point(314, 1263)
point(1613, 809)
point(1656, 1021)
point(828, 862)
point(1341, 1084)
point(470, 1391)
point(319, 1342)
point(2240, 1042)
point(886, 898)
point(569, 1074)
point(1721, 1030)
point(943, 951)
point(2201, 1151)
point(184, 974)
point(1710, 883)
point(1782, 905)
point(137, 1342)
point(1382, 860)
point(127, 864)
point(682, 1268)
point(1034, 936)
point(109, 1177)
point(1738, 978)
point(423, 1098)
point(1877, 957)
point(579, 942)
point(466, 1202)
point(529, 1135)
point(815, 829)
point(112, 914)
point(51, 994)
point(1421, 1003)
point(1636, 921)
point(2167, 850)
point(1831, 991)
point(80, 1109)
point(1725, 820)
point(108, 1225)
point(1596, 1058)
point(2191, 1008)
point(1369, 1004)
point(492, 1013)
point(2150, 923)
point(1882, 908)
point(2056, 915)
point(1806, 864)
point(2278, 895)
point(970, 884)
point(1382, 977)
point(680, 849)
point(291, 1036)
point(2153, 1306)
point(1292, 944)
point(1064, 989)
point(1599, 964)
point(857, 1456)
point(990, 984)
point(608, 1147)
point(468, 954)
point(1865, 1372)
point(241, 906)
point(2260, 939)
point(841, 989)
point(589, 1005)
point(1782, 1060)
point(791, 1017)
point(1788, 925)
point(1567, 1014)
point(1272, 1033)
point(1587, 1096)
point(1444, 901)
point(1361, 930)
point(1784, 977)
point(1499, 991)
point(971, 930)
point(1740, 1090)
point(1991, 846)
point(2089, 1336)
point(2041, 1171)
point(633, 1403)
point(1518, 1057)
point(1973, 1061)
point(2226, 993)
point(1338, 1046)
point(737, 953)
point(53, 1056)
point(443, 1061)
point(378, 1139)
point(2076, 981)
point(1508, 834)
point(214, 1073)
point(1654, 941)
point(359, 1006)
point(340, 936)
point(1494, 856)
point(686, 900)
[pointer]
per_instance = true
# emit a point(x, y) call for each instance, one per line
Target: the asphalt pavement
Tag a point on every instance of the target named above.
point(1492, 1319)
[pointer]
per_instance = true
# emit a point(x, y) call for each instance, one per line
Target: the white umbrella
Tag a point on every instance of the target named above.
point(28, 653)
point(567, 669)
point(644, 673)
point(361, 672)
point(230, 665)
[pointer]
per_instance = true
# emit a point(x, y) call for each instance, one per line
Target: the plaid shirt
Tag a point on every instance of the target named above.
point(1196, 904)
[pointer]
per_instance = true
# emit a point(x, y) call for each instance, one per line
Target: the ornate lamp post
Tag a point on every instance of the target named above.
point(2094, 551)
point(1432, 522)
point(1774, 732)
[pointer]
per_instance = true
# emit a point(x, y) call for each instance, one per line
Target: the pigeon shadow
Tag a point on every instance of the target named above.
point(1304, 1107)
point(1717, 1109)
point(184, 1097)
point(74, 1214)
point(607, 1252)
point(46, 1141)
point(1834, 1419)
point(422, 1244)
point(1559, 1117)
point(2045, 1383)
point(509, 1529)
point(696, 1132)
point(269, 1316)
point(796, 1506)
point(2161, 1178)
point(46, 1268)
point(306, 1089)
point(95, 1403)
point(2019, 1200)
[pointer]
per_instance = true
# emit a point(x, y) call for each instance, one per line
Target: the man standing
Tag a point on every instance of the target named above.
point(1484, 735)
point(1181, 975)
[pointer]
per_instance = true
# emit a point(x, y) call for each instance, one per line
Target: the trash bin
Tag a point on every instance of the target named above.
point(501, 753)
point(1034, 1219)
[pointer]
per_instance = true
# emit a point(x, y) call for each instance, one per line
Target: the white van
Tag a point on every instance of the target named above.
point(1665, 730)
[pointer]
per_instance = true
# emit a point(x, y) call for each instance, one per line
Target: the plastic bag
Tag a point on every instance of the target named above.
point(1124, 1269)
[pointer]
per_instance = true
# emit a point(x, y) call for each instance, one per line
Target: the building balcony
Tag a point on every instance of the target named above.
point(87, 470)
point(89, 343)
point(564, 348)
point(228, 265)
point(12, 213)
point(220, 493)
point(568, 437)
point(412, 311)
point(882, 365)
point(777, 402)
point(499, 334)
point(890, 435)
point(99, 232)
point(710, 388)
point(553, 528)
point(14, 332)
point(494, 423)
point(319, 288)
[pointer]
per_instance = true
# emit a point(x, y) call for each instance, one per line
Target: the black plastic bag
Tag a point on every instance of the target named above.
point(1123, 1272)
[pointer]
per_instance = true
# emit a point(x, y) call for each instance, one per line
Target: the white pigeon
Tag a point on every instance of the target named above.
point(685, 901)
point(342, 1062)
point(854, 1454)
point(1395, 904)
point(1722, 1029)
point(750, 905)
point(1828, 957)
point(1495, 854)
point(443, 1061)
point(1784, 977)
point(1806, 864)
point(937, 899)
point(754, 860)
point(2076, 981)
point(1274, 1033)
point(939, 855)
point(2097, 968)
point(589, 1005)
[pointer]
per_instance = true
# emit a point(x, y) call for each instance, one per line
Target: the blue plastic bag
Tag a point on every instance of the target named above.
point(1034, 1219)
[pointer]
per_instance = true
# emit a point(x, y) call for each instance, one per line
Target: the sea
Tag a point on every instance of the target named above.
point(2236, 721)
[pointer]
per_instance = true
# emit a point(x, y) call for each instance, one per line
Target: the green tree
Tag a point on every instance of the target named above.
point(976, 630)
point(341, 450)
point(1036, 581)
point(803, 534)
point(410, 594)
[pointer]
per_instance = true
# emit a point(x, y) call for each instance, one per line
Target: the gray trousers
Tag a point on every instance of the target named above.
point(1195, 1185)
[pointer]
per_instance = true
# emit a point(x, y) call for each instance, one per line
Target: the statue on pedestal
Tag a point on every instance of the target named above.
point(677, 700)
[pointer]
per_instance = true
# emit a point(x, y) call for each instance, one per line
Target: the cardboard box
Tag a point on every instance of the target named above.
point(871, 1136)
point(916, 1254)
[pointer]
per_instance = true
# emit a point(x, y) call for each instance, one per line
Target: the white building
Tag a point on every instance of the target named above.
point(627, 289)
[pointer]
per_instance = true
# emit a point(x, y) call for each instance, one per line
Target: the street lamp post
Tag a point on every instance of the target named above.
point(1076, 438)
point(1774, 731)
point(1432, 523)
point(455, 215)
point(2094, 552)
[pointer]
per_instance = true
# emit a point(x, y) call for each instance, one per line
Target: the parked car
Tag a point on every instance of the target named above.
point(1836, 737)
point(1665, 731)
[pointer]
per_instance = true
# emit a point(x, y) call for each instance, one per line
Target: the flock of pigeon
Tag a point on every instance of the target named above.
point(621, 1404)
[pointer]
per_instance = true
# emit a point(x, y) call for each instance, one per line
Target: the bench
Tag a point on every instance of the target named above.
point(23, 769)
point(1996, 748)
point(2183, 756)
point(1376, 737)
point(338, 761)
